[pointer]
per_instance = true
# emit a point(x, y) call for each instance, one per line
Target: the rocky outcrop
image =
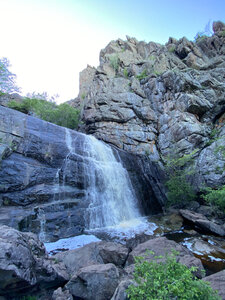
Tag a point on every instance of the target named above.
point(202, 222)
point(160, 247)
point(24, 264)
point(6, 98)
point(45, 178)
point(161, 100)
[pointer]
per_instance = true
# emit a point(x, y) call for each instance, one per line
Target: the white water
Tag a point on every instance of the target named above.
point(108, 187)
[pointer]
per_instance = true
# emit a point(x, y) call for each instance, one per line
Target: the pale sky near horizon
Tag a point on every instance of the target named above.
point(48, 42)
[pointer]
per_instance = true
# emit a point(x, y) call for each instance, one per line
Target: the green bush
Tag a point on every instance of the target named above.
point(125, 73)
point(63, 114)
point(167, 280)
point(142, 75)
point(114, 62)
point(180, 191)
point(216, 197)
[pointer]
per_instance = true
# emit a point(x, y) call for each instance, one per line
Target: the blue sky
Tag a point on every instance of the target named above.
point(48, 42)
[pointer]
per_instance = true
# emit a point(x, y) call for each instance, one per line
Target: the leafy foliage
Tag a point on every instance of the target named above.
point(180, 190)
point(142, 75)
point(63, 114)
point(167, 280)
point(7, 79)
point(216, 197)
point(114, 62)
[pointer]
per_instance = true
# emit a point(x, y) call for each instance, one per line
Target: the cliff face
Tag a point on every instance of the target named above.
point(158, 100)
point(47, 181)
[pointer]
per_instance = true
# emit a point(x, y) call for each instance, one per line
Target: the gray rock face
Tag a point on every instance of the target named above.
point(24, 263)
point(93, 254)
point(44, 185)
point(217, 282)
point(161, 100)
point(96, 282)
point(202, 222)
point(60, 294)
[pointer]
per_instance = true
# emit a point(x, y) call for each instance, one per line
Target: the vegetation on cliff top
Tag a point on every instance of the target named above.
point(62, 115)
point(7, 78)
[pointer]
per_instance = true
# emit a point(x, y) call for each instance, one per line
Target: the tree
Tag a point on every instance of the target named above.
point(7, 79)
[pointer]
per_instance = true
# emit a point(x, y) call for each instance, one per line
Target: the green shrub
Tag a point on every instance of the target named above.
point(125, 73)
point(142, 75)
point(180, 191)
point(215, 197)
point(172, 49)
point(168, 280)
point(114, 62)
point(63, 114)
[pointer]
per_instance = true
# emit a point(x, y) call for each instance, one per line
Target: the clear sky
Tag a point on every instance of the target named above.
point(48, 42)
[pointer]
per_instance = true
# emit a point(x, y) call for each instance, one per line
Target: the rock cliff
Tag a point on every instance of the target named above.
point(45, 186)
point(161, 100)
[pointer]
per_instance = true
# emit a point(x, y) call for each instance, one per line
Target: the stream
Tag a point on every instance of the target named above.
point(209, 248)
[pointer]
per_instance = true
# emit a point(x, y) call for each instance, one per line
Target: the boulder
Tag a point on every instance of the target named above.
point(76, 259)
point(202, 222)
point(96, 282)
point(24, 263)
point(120, 292)
point(160, 247)
point(113, 253)
point(217, 282)
point(61, 294)
point(93, 254)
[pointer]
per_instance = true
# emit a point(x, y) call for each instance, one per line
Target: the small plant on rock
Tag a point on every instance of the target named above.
point(114, 62)
point(142, 75)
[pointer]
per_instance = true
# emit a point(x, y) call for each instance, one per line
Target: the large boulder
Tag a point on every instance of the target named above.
point(161, 247)
point(96, 282)
point(202, 222)
point(24, 263)
point(217, 282)
point(93, 254)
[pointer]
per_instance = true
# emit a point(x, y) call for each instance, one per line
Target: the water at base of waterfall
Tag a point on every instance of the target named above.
point(120, 233)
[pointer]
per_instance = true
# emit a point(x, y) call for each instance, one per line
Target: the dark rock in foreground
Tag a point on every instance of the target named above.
point(24, 264)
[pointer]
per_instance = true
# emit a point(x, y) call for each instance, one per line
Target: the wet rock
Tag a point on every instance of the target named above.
point(201, 221)
point(217, 282)
point(85, 283)
point(43, 186)
point(24, 264)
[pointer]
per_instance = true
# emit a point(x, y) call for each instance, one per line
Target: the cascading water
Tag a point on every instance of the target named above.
point(108, 187)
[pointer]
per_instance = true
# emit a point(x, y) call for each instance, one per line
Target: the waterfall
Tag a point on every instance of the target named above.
point(108, 188)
